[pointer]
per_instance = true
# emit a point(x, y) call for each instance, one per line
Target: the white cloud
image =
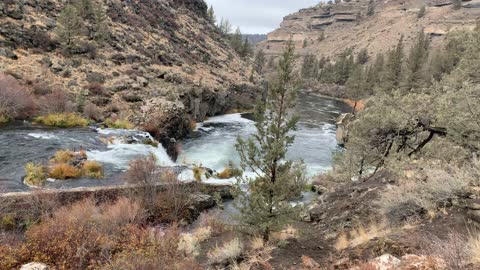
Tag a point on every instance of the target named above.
point(257, 16)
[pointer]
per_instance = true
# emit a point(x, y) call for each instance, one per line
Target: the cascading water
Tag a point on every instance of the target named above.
point(211, 146)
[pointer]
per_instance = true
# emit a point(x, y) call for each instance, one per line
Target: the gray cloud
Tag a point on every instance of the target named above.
point(257, 16)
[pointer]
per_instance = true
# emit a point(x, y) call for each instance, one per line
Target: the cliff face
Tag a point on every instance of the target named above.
point(162, 64)
point(346, 25)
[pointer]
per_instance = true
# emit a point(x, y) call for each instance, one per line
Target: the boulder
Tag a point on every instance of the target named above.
point(8, 53)
point(385, 262)
point(473, 204)
point(95, 77)
point(34, 266)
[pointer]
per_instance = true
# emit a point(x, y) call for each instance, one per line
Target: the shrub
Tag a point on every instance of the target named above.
point(430, 189)
point(42, 89)
point(143, 170)
point(62, 120)
point(229, 172)
point(92, 111)
point(189, 243)
point(15, 100)
point(64, 171)
point(229, 252)
point(7, 222)
point(55, 102)
point(212, 220)
point(92, 169)
point(198, 172)
point(85, 235)
point(63, 156)
point(452, 249)
point(360, 236)
point(96, 88)
point(36, 174)
point(473, 249)
point(119, 124)
point(3, 119)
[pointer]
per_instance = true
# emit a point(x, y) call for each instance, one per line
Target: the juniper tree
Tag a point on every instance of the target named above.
point(421, 12)
point(414, 75)
point(265, 207)
point(457, 4)
point(211, 15)
point(246, 49)
point(236, 41)
point(99, 23)
point(225, 26)
point(309, 67)
point(371, 8)
point(362, 56)
point(260, 60)
point(69, 25)
point(393, 68)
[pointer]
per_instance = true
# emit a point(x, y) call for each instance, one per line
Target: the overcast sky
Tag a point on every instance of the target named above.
point(257, 16)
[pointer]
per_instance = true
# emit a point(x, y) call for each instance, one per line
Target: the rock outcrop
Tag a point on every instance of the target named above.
point(330, 28)
point(163, 65)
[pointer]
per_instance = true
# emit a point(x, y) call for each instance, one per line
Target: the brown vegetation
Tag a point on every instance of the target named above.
point(16, 102)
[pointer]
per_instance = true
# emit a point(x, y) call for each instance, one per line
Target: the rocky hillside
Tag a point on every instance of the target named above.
point(329, 29)
point(160, 63)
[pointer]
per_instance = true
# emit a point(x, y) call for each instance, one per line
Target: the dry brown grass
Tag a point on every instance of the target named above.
point(473, 249)
point(289, 232)
point(92, 169)
point(452, 248)
point(228, 253)
point(360, 236)
point(64, 171)
point(212, 220)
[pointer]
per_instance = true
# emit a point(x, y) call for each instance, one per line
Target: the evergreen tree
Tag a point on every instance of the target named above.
point(246, 49)
point(69, 25)
point(321, 37)
point(260, 60)
point(457, 4)
point(309, 67)
point(211, 15)
point(356, 85)
point(343, 67)
point(99, 23)
point(362, 57)
point(266, 207)
point(84, 8)
point(305, 43)
point(371, 8)
point(422, 12)
point(393, 68)
point(418, 56)
point(225, 26)
point(236, 41)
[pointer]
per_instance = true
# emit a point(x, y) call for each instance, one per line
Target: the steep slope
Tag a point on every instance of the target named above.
point(346, 25)
point(162, 65)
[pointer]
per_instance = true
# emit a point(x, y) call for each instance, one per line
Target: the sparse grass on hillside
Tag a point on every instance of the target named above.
point(360, 235)
point(62, 120)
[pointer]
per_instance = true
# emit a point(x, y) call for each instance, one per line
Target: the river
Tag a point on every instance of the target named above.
point(212, 145)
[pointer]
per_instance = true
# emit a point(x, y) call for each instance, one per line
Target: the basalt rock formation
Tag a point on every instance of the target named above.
point(163, 65)
point(329, 29)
